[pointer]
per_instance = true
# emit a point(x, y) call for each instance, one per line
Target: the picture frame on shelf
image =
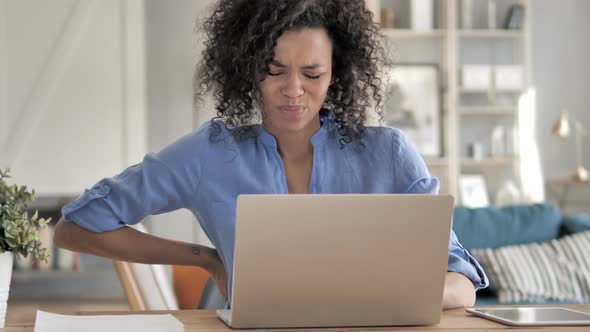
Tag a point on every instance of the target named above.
point(412, 104)
point(473, 191)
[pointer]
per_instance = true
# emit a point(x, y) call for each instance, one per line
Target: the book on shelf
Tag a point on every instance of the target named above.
point(515, 18)
point(58, 258)
point(67, 260)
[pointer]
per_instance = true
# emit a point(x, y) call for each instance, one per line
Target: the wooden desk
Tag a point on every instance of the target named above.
point(452, 320)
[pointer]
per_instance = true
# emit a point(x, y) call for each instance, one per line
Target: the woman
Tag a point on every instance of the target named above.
point(293, 82)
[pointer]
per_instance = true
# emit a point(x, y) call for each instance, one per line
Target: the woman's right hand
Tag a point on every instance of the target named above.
point(217, 272)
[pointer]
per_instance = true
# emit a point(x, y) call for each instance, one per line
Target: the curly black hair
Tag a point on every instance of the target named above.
point(241, 36)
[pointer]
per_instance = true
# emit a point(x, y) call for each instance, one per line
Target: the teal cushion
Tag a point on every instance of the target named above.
point(576, 224)
point(492, 227)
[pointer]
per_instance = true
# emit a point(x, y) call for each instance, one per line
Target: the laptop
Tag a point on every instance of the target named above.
point(339, 260)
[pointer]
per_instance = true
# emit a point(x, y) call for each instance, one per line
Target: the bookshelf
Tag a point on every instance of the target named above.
point(94, 284)
point(82, 276)
point(468, 114)
point(487, 111)
point(487, 162)
point(496, 33)
point(408, 33)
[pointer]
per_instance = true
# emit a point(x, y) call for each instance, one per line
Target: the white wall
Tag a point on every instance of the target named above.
point(561, 74)
point(71, 112)
point(173, 46)
point(71, 91)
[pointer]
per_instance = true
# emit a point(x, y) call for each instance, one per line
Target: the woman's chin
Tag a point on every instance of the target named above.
point(289, 124)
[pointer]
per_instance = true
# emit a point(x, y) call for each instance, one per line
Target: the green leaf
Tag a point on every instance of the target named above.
point(18, 232)
point(11, 243)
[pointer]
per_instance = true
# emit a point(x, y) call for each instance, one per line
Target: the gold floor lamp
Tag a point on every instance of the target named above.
point(562, 128)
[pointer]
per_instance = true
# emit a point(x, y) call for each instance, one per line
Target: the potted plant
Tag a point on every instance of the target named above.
point(19, 233)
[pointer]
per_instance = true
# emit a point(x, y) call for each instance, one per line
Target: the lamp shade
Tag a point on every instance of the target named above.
point(562, 127)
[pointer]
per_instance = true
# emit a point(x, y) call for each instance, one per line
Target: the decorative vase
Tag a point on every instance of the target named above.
point(422, 15)
point(467, 14)
point(508, 194)
point(6, 261)
point(374, 7)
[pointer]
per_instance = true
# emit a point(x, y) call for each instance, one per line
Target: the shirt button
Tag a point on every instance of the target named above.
point(103, 189)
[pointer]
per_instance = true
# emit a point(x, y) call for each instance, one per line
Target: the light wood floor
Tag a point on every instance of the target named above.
point(24, 311)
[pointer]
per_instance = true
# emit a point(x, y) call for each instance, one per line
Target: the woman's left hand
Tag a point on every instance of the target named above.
point(458, 291)
point(217, 271)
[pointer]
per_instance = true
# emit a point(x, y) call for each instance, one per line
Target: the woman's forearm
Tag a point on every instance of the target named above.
point(129, 244)
point(458, 291)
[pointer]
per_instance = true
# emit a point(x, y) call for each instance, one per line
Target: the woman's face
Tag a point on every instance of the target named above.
point(297, 82)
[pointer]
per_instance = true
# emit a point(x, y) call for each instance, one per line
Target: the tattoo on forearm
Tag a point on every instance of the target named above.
point(196, 251)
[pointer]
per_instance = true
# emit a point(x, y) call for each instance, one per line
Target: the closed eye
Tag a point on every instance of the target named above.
point(312, 77)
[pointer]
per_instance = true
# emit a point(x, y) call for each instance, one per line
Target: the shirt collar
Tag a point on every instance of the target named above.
point(318, 139)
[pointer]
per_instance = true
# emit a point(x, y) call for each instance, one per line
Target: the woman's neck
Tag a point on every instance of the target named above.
point(296, 145)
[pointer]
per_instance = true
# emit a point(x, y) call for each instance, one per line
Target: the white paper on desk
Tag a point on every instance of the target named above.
point(48, 322)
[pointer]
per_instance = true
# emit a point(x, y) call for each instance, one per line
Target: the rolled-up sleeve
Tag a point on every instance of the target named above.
point(161, 183)
point(461, 261)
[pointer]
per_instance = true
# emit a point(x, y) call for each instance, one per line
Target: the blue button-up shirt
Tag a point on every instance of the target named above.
point(206, 175)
